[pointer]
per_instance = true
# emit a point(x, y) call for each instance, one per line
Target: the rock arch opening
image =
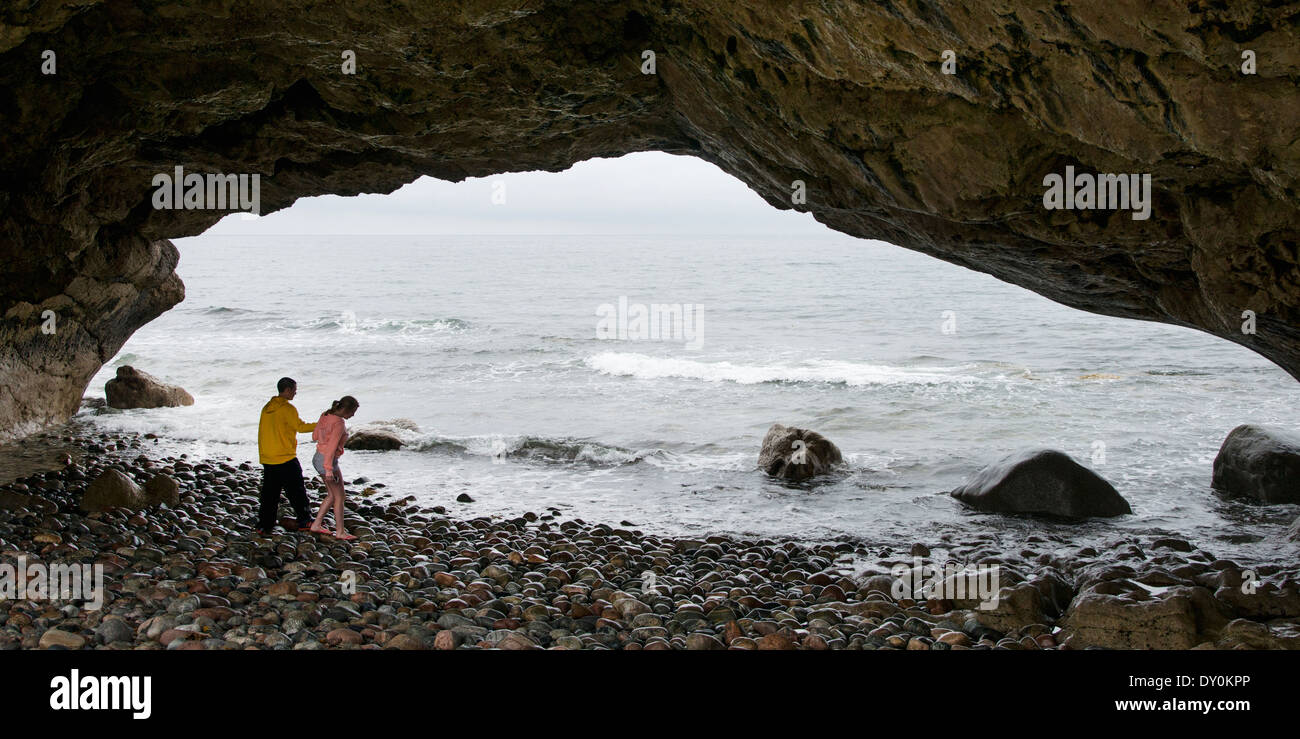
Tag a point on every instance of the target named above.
point(853, 102)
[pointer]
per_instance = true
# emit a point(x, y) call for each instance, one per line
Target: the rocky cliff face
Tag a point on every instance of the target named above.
point(849, 98)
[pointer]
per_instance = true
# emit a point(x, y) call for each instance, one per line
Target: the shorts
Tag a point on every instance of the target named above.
point(318, 462)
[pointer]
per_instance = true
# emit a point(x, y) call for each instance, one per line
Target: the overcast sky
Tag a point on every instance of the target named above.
point(643, 193)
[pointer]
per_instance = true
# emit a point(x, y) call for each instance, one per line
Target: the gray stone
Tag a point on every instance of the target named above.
point(796, 454)
point(112, 489)
point(372, 440)
point(135, 389)
point(162, 489)
point(1259, 463)
point(1042, 481)
point(1180, 618)
point(114, 630)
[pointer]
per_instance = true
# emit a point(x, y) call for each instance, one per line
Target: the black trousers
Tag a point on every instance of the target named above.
point(287, 477)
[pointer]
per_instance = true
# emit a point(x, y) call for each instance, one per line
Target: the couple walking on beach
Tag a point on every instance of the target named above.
point(277, 447)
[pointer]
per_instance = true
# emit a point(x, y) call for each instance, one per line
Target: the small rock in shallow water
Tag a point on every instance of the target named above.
point(132, 388)
point(796, 454)
point(373, 440)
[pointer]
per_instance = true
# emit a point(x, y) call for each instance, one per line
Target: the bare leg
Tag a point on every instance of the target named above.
point(324, 506)
point(338, 511)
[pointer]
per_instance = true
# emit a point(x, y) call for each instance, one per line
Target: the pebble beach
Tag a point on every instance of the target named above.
point(195, 575)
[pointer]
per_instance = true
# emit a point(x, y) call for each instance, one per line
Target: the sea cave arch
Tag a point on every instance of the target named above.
point(851, 100)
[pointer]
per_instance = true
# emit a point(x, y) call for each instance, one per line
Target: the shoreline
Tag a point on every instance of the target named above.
point(197, 577)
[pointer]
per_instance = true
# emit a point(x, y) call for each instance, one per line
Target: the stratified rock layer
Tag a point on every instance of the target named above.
point(1183, 618)
point(848, 98)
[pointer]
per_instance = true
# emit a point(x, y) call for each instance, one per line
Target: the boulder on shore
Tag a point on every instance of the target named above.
point(1042, 481)
point(1260, 463)
point(162, 489)
point(135, 389)
point(10, 500)
point(796, 454)
point(372, 440)
point(112, 489)
point(1181, 618)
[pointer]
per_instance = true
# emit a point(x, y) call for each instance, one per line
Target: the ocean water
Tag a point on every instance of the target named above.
point(921, 372)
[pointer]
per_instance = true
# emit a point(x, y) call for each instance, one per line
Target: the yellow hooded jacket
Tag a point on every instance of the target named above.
point(277, 440)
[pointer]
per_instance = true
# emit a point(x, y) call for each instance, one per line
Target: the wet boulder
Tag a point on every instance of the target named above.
point(135, 389)
point(11, 501)
point(1044, 482)
point(1259, 463)
point(372, 440)
point(112, 489)
point(162, 489)
point(796, 454)
point(1179, 618)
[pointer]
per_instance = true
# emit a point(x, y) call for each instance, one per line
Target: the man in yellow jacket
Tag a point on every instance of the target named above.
point(277, 448)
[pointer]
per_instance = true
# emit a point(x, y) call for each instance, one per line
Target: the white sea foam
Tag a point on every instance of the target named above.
point(645, 367)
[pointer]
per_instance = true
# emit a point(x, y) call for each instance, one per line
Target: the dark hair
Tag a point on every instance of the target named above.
point(345, 403)
point(285, 383)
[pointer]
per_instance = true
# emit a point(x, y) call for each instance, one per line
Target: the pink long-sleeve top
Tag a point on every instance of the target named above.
point(329, 436)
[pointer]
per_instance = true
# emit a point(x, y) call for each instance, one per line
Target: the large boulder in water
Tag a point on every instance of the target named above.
point(1260, 463)
point(1042, 481)
point(112, 489)
point(372, 440)
point(135, 389)
point(796, 454)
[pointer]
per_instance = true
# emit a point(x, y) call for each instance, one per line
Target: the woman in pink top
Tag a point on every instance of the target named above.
point(330, 434)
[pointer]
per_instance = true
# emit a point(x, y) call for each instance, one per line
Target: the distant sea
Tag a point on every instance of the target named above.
point(528, 392)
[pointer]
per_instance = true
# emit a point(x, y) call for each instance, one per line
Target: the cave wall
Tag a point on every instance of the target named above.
point(850, 98)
